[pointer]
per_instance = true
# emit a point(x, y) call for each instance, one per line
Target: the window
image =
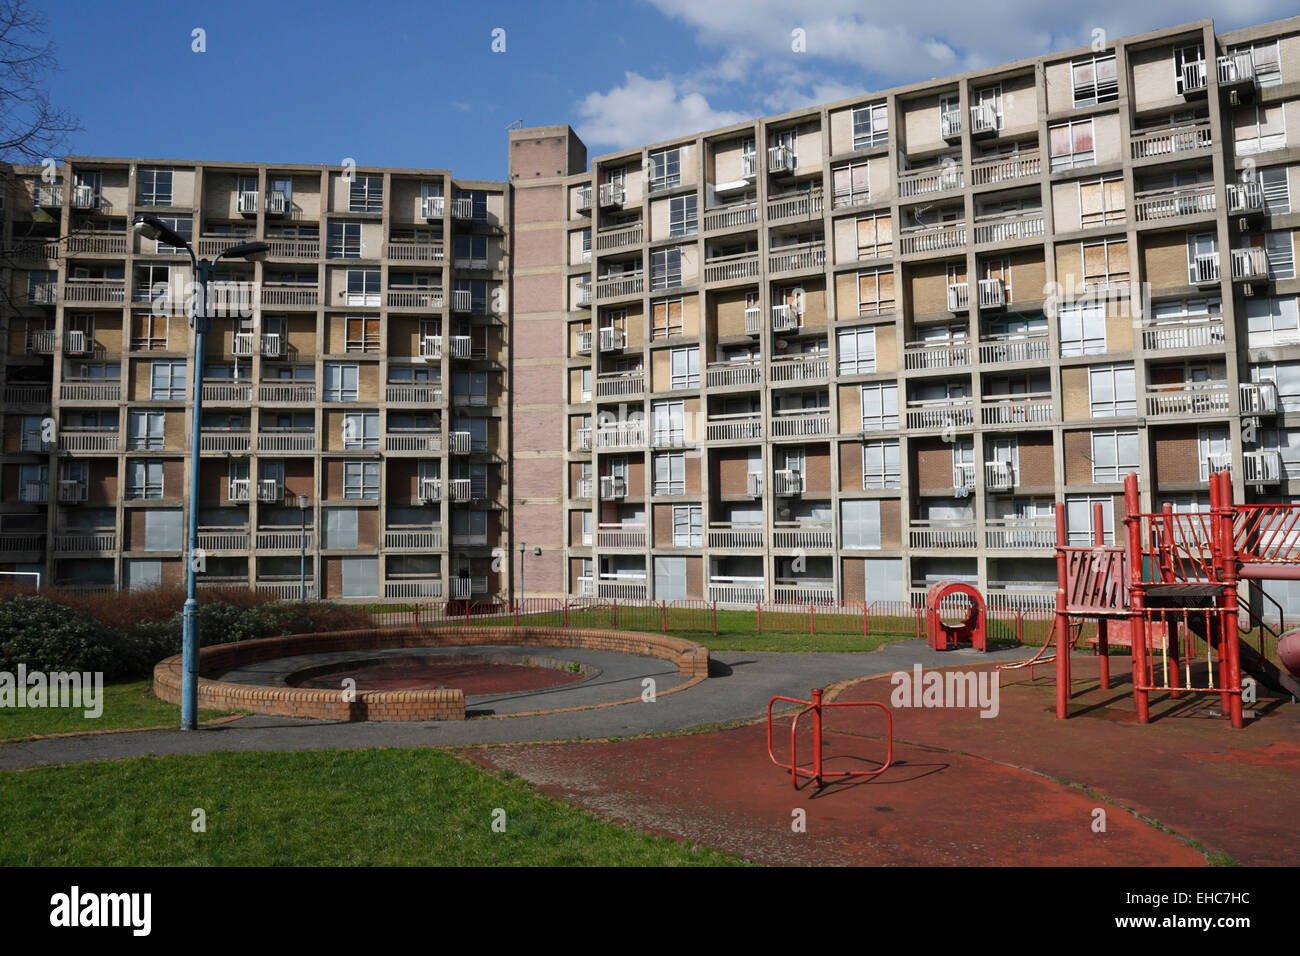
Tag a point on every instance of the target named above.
point(361, 479)
point(860, 523)
point(670, 473)
point(682, 216)
point(880, 464)
point(361, 431)
point(850, 185)
point(1280, 249)
point(1078, 519)
point(167, 382)
point(857, 351)
point(153, 186)
point(1273, 321)
point(875, 236)
point(688, 526)
point(1274, 182)
point(665, 268)
point(1072, 145)
point(879, 406)
point(366, 194)
point(666, 316)
point(1083, 329)
point(871, 126)
point(341, 382)
point(183, 226)
point(144, 479)
point(344, 240)
point(876, 292)
point(669, 423)
point(145, 429)
point(665, 169)
point(685, 368)
point(1095, 79)
point(1105, 261)
point(362, 333)
point(1259, 128)
point(1112, 390)
point(1114, 454)
point(1101, 201)
point(363, 287)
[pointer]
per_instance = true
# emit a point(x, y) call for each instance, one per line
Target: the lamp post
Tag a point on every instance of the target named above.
point(200, 314)
point(303, 502)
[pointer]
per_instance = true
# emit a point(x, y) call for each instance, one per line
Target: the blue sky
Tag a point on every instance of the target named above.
point(417, 83)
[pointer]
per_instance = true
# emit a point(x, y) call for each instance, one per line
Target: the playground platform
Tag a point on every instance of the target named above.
point(963, 790)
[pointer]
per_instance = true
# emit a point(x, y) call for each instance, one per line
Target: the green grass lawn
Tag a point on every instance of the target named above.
point(321, 808)
point(127, 704)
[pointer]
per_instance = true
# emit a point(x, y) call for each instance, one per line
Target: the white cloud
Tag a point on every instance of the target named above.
point(643, 110)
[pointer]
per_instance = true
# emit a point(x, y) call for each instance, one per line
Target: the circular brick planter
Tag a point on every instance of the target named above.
point(691, 659)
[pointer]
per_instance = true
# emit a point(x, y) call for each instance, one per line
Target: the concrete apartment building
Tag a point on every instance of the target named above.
point(834, 354)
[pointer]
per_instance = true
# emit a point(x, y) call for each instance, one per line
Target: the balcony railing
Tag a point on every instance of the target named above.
point(726, 268)
point(1019, 534)
point(1009, 227)
point(1000, 475)
point(736, 590)
point(423, 441)
point(1157, 204)
point(620, 285)
point(406, 250)
point(1258, 398)
point(797, 258)
point(1026, 349)
point(799, 368)
point(613, 486)
point(936, 239)
point(940, 413)
point(1166, 141)
point(1034, 408)
point(89, 390)
point(746, 426)
point(800, 423)
point(807, 204)
point(808, 535)
point(88, 439)
point(620, 383)
point(728, 374)
point(786, 482)
point(731, 217)
point(942, 533)
point(607, 239)
point(1203, 333)
point(918, 182)
point(930, 355)
point(1248, 264)
point(620, 536)
point(287, 440)
point(998, 169)
point(1187, 398)
point(731, 537)
point(411, 539)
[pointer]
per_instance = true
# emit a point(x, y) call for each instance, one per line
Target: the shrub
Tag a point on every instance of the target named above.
point(48, 636)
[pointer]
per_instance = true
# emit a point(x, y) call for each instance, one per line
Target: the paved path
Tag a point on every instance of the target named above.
point(743, 684)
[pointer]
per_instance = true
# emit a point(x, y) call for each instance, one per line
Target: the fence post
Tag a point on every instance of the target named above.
point(715, 618)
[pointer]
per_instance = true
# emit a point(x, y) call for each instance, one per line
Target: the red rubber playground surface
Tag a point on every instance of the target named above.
point(1020, 788)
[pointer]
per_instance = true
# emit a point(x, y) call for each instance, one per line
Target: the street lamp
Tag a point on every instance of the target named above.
point(303, 503)
point(151, 227)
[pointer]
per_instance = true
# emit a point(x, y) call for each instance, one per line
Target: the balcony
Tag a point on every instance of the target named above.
point(620, 383)
point(787, 483)
point(620, 536)
point(1249, 265)
point(1000, 476)
point(1154, 205)
point(781, 159)
point(803, 535)
point(584, 199)
point(428, 299)
point(795, 369)
point(1019, 534)
point(289, 294)
point(1022, 409)
point(746, 426)
point(728, 268)
point(85, 542)
point(34, 492)
point(1187, 398)
point(937, 355)
point(232, 441)
point(785, 318)
point(618, 588)
point(919, 182)
point(432, 207)
point(610, 239)
point(754, 484)
point(414, 589)
point(940, 413)
point(806, 204)
point(228, 391)
point(1196, 334)
point(934, 239)
point(731, 217)
point(733, 374)
point(286, 440)
point(1171, 140)
point(423, 441)
point(944, 534)
point(73, 491)
point(737, 590)
point(1258, 467)
point(210, 540)
point(612, 194)
point(1001, 169)
point(613, 486)
point(1258, 398)
point(1009, 227)
point(94, 290)
point(797, 258)
point(89, 439)
point(801, 423)
point(20, 393)
point(406, 250)
point(412, 394)
point(295, 393)
point(807, 592)
point(413, 539)
point(619, 286)
point(246, 203)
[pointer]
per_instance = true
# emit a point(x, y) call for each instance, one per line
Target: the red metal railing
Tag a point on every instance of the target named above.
point(817, 772)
